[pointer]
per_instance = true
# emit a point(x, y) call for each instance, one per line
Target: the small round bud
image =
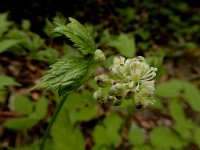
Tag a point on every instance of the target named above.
point(102, 80)
point(100, 96)
point(118, 89)
point(118, 60)
point(99, 56)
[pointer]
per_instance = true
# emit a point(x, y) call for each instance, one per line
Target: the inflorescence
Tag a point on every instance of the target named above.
point(127, 79)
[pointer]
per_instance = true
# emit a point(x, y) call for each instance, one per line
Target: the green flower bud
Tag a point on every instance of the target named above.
point(118, 60)
point(100, 96)
point(118, 89)
point(99, 56)
point(102, 80)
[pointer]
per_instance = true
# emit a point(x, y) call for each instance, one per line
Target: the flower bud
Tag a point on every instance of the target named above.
point(118, 60)
point(102, 80)
point(100, 96)
point(118, 89)
point(99, 56)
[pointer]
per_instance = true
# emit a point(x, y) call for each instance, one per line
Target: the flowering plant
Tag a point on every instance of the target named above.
point(128, 78)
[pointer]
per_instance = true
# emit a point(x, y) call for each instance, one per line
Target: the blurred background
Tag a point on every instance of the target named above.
point(166, 33)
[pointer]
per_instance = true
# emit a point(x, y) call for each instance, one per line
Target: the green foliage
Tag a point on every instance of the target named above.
point(66, 75)
point(79, 35)
point(136, 136)
point(6, 44)
point(170, 89)
point(163, 138)
point(31, 112)
point(7, 81)
point(179, 88)
point(22, 105)
point(107, 133)
point(125, 44)
point(4, 23)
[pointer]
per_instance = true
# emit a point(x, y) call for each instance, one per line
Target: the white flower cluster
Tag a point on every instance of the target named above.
point(128, 79)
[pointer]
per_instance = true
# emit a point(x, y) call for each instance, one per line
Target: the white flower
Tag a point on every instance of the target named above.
point(129, 78)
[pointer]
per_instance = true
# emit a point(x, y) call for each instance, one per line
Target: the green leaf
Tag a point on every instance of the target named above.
point(79, 35)
point(125, 44)
point(197, 135)
point(177, 112)
point(108, 133)
point(7, 81)
point(22, 104)
point(74, 101)
point(145, 147)
point(182, 124)
point(86, 114)
point(192, 95)
point(20, 123)
point(163, 138)
point(4, 23)
point(66, 75)
point(136, 136)
point(5, 44)
point(41, 108)
point(65, 136)
point(170, 89)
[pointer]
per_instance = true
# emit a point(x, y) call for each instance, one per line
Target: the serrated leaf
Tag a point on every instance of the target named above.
point(20, 123)
point(22, 104)
point(66, 75)
point(163, 138)
point(136, 136)
point(7, 81)
point(5, 44)
point(170, 89)
point(79, 35)
point(192, 95)
point(125, 44)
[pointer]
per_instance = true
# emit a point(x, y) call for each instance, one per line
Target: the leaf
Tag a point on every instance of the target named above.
point(170, 89)
point(163, 138)
point(74, 101)
point(124, 44)
point(192, 95)
point(20, 123)
point(66, 75)
point(22, 104)
point(65, 136)
point(79, 35)
point(108, 133)
point(5, 44)
point(145, 147)
point(7, 81)
point(182, 124)
point(197, 135)
point(86, 114)
point(136, 136)
point(4, 23)
point(41, 108)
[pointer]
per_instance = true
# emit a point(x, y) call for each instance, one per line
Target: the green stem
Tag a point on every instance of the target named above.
point(63, 98)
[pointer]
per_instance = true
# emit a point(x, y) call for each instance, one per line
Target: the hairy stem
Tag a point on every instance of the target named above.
point(63, 98)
